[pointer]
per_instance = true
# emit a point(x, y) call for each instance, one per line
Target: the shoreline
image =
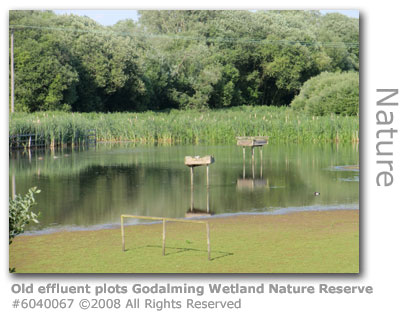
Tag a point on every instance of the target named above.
point(278, 211)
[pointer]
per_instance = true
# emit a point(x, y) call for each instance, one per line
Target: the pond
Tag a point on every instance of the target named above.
point(91, 187)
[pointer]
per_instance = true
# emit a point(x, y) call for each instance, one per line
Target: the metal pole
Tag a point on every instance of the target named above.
point(12, 70)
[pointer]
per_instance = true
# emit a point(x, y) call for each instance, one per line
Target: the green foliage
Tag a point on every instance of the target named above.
point(330, 93)
point(187, 126)
point(185, 59)
point(20, 214)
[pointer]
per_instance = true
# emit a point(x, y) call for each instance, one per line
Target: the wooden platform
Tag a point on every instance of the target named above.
point(198, 161)
point(252, 141)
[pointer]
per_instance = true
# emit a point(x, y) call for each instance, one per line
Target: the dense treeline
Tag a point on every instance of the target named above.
point(175, 59)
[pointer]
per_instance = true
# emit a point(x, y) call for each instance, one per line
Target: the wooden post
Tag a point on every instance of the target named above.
point(208, 240)
point(261, 162)
point(191, 176)
point(123, 233)
point(207, 175)
point(244, 162)
point(252, 154)
point(163, 236)
point(191, 199)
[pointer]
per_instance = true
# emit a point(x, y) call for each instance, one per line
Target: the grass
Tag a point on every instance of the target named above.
point(303, 242)
point(281, 124)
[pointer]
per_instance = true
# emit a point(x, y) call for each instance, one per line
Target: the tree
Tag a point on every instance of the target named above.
point(176, 59)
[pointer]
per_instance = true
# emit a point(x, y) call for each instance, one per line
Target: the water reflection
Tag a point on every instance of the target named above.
point(253, 182)
point(95, 186)
point(193, 212)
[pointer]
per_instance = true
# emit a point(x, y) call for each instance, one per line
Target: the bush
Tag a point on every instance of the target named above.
point(329, 93)
point(20, 214)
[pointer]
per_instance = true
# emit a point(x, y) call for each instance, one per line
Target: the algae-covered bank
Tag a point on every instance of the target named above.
point(299, 242)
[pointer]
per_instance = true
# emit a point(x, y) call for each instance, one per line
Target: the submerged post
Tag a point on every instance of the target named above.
point(191, 176)
point(207, 175)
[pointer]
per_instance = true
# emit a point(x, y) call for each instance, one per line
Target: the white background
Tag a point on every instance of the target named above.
point(384, 211)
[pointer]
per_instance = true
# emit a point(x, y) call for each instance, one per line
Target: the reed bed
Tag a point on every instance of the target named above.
point(221, 126)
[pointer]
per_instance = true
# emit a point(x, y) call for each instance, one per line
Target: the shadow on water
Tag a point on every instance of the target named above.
point(176, 250)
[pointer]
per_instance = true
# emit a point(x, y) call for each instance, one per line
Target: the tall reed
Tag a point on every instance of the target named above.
point(222, 126)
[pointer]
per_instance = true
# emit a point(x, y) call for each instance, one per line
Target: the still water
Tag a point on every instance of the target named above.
point(93, 187)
